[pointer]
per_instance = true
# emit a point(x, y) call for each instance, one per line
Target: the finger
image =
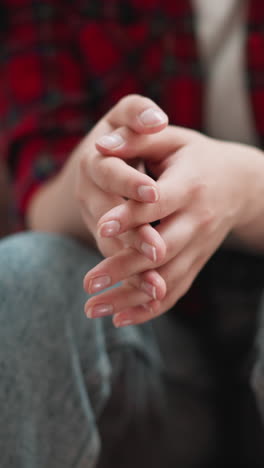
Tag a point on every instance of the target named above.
point(95, 200)
point(193, 257)
point(169, 238)
point(93, 203)
point(175, 194)
point(137, 315)
point(184, 237)
point(139, 113)
point(126, 262)
point(147, 241)
point(178, 275)
point(176, 234)
point(182, 270)
point(179, 267)
point(114, 300)
point(132, 214)
point(150, 282)
point(114, 176)
point(127, 144)
point(107, 247)
point(145, 238)
point(178, 288)
point(180, 229)
point(114, 269)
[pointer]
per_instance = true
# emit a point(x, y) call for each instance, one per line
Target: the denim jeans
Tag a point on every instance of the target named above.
point(180, 391)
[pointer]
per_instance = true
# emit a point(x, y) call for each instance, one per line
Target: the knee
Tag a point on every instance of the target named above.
point(41, 304)
point(31, 260)
point(41, 273)
point(28, 254)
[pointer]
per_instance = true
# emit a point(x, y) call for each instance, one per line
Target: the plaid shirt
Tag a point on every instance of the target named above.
point(64, 64)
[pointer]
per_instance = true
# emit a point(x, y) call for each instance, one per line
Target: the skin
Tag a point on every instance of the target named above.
point(73, 201)
point(205, 191)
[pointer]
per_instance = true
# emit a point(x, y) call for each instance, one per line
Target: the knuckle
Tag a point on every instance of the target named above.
point(94, 211)
point(180, 271)
point(183, 267)
point(78, 192)
point(161, 291)
point(156, 309)
point(82, 163)
point(161, 208)
point(197, 187)
point(129, 99)
point(207, 217)
point(184, 288)
point(129, 187)
point(103, 171)
point(88, 220)
point(161, 253)
point(135, 99)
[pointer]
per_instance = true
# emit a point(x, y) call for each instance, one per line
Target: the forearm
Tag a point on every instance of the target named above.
point(249, 233)
point(55, 208)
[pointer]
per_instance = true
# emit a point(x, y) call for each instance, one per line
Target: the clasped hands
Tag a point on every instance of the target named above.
point(197, 194)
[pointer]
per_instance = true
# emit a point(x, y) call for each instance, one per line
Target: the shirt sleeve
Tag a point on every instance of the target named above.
point(42, 103)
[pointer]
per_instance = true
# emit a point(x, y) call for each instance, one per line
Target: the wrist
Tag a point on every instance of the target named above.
point(54, 207)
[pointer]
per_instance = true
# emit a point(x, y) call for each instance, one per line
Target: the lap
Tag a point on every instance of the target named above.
point(102, 385)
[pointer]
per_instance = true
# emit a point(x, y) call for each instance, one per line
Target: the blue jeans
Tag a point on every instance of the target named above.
point(79, 393)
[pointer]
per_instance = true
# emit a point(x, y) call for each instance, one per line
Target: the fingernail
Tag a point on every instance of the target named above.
point(149, 289)
point(119, 322)
point(109, 229)
point(150, 251)
point(99, 310)
point(148, 309)
point(148, 194)
point(97, 284)
point(152, 117)
point(111, 141)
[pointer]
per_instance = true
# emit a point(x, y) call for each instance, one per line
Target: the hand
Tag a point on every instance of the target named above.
point(203, 196)
point(103, 183)
point(89, 184)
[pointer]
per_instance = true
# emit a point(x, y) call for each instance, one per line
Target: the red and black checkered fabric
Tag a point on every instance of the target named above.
point(255, 56)
point(63, 64)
